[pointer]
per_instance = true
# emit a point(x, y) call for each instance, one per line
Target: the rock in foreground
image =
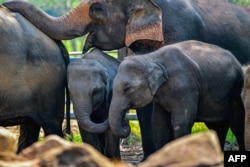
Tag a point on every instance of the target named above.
point(201, 149)
point(8, 141)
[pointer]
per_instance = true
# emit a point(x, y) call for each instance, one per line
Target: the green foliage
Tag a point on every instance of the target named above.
point(58, 7)
point(199, 127)
point(77, 138)
point(230, 137)
point(135, 128)
point(243, 2)
point(74, 44)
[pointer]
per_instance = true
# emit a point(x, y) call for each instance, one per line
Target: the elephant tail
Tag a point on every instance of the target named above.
point(67, 131)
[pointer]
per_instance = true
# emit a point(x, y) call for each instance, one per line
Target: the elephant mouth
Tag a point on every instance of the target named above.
point(89, 42)
point(94, 40)
point(125, 126)
point(125, 121)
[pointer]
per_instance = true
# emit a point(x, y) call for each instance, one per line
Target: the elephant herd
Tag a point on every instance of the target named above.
point(187, 67)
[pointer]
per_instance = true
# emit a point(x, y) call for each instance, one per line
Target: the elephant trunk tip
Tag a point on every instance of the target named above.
point(124, 133)
point(120, 127)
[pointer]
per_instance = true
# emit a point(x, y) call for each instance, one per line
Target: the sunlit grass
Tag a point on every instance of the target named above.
point(199, 127)
point(230, 137)
point(77, 138)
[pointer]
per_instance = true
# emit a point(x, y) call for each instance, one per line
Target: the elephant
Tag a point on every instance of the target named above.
point(33, 79)
point(188, 81)
point(144, 26)
point(90, 81)
point(246, 101)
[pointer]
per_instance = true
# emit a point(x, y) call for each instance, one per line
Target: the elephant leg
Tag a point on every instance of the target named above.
point(53, 113)
point(221, 128)
point(29, 133)
point(183, 114)
point(91, 139)
point(144, 117)
point(237, 123)
point(52, 128)
point(112, 145)
point(162, 128)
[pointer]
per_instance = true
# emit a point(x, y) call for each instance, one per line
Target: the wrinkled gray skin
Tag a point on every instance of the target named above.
point(246, 101)
point(188, 81)
point(32, 80)
point(146, 25)
point(90, 81)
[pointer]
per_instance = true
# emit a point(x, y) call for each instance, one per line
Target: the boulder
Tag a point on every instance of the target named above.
point(8, 141)
point(201, 149)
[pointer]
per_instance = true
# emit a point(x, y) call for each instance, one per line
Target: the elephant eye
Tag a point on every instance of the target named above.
point(126, 89)
point(97, 90)
point(97, 11)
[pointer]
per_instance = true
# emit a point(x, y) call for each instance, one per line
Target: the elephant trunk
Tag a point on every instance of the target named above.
point(117, 120)
point(83, 110)
point(68, 26)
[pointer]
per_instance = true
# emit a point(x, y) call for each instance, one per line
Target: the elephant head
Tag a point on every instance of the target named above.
point(110, 24)
point(134, 86)
point(89, 88)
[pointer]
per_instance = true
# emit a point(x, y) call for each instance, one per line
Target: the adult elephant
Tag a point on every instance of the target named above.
point(188, 81)
point(90, 81)
point(145, 25)
point(115, 24)
point(33, 79)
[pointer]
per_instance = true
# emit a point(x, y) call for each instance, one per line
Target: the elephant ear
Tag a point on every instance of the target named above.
point(108, 89)
point(108, 82)
point(157, 76)
point(145, 22)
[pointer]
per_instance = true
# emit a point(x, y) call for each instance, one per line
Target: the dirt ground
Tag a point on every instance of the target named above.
point(131, 150)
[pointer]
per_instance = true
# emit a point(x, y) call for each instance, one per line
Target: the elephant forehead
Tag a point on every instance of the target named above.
point(135, 60)
point(85, 71)
point(92, 65)
point(86, 65)
point(131, 72)
point(133, 66)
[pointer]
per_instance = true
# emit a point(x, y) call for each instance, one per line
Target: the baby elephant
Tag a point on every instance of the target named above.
point(188, 81)
point(90, 82)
